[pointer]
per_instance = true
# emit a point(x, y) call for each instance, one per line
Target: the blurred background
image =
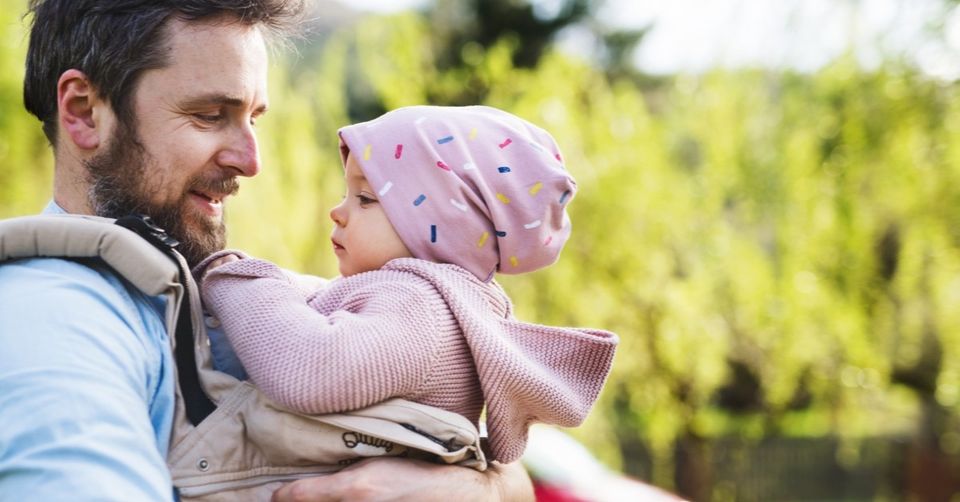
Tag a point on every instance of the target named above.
point(768, 215)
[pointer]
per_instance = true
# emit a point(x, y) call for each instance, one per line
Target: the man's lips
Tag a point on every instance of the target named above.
point(211, 203)
point(212, 197)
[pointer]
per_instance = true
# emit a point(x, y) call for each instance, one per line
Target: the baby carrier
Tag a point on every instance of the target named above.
point(229, 441)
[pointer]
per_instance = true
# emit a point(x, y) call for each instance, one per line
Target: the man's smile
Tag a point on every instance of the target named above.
point(210, 202)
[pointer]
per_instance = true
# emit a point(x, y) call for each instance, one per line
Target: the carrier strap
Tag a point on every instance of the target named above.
point(196, 404)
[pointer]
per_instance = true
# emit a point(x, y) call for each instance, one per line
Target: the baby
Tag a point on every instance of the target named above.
point(439, 199)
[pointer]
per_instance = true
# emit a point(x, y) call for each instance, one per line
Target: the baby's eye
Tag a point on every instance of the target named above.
point(365, 199)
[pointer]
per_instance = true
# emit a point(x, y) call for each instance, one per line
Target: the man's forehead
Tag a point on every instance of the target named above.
point(214, 62)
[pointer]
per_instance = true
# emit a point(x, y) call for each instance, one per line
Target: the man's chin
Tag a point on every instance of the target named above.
point(199, 235)
point(205, 223)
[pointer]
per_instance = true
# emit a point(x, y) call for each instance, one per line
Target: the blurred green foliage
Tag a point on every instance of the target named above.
point(780, 253)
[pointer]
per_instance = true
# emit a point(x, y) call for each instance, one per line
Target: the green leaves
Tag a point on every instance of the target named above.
point(780, 253)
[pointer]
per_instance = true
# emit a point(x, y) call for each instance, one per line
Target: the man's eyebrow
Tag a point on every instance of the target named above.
point(218, 99)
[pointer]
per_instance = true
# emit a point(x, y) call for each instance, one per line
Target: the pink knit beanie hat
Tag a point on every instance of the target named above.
point(474, 186)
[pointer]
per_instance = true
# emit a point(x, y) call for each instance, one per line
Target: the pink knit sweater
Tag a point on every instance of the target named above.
point(416, 330)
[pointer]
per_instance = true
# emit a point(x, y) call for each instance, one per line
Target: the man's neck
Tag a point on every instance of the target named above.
point(70, 188)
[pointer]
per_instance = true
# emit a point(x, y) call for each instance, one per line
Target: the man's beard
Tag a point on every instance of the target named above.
point(119, 186)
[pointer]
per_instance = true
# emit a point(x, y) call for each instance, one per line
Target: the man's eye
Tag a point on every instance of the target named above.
point(209, 118)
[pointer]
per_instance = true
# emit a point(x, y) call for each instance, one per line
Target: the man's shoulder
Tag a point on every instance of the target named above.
point(44, 272)
point(73, 285)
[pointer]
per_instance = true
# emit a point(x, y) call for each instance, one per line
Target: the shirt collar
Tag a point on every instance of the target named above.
point(53, 208)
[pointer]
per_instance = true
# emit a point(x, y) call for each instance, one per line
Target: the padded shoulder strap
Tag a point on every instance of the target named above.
point(72, 236)
point(138, 251)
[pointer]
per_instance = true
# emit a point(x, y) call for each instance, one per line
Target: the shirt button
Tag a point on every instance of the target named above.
point(211, 322)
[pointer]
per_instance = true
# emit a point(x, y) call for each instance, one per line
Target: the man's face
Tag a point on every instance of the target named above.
point(193, 135)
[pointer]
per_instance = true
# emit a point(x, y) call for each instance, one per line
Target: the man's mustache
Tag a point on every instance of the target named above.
point(225, 186)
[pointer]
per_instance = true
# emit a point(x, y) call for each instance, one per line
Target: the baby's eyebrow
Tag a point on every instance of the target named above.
point(358, 177)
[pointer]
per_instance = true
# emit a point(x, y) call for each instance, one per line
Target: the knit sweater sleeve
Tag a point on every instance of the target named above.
point(348, 346)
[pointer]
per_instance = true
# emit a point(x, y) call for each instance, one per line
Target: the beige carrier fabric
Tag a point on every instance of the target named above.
point(247, 447)
point(73, 236)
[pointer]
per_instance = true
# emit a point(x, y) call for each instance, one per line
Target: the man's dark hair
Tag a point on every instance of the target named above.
point(114, 41)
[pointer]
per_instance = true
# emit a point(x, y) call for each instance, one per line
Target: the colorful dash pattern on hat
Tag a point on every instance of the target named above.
point(474, 186)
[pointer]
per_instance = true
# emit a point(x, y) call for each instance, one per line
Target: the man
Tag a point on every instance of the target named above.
point(150, 107)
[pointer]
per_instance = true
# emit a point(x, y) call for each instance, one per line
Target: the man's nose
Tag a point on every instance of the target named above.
point(242, 152)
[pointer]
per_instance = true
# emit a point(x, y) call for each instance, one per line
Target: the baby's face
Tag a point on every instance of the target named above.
point(363, 237)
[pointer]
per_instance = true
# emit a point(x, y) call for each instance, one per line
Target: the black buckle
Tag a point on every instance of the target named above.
point(144, 226)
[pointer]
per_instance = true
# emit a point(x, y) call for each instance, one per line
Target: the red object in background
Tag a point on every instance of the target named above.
point(563, 470)
point(548, 493)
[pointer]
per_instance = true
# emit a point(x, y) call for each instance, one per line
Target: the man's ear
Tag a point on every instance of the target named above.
point(80, 110)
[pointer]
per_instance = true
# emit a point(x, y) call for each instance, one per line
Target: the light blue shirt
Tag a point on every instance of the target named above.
point(86, 385)
point(224, 357)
